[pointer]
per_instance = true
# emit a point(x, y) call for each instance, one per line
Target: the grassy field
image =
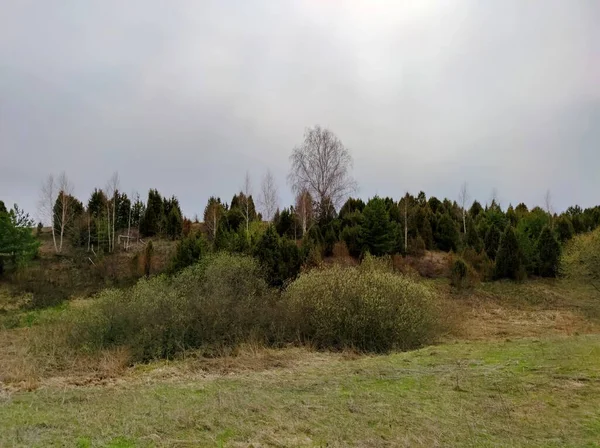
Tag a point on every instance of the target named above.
point(521, 368)
point(530, 392)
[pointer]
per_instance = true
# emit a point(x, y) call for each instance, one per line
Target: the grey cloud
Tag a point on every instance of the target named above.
point(186, 96)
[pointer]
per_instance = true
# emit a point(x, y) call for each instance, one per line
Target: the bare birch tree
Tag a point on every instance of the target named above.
point(321, 165)
point(463, 198)
point(61, 210)
point(48, 194)
point(245, 199)
point(112, 190)
point(268, 201)
point(304, 209)
point(548, 206)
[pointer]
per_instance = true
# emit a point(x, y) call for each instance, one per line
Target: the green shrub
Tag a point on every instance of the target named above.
point(214, 304)
point(189, 250)
point(365, 308)
point(581, 258)
point(458, 275)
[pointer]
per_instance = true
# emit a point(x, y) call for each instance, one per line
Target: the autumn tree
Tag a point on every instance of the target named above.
point(321, 165)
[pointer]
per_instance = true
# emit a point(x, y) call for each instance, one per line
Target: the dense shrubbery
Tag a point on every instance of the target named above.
point(223, 301)
point(368, 308)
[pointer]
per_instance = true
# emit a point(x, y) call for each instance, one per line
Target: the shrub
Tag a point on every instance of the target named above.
point(188, 251)
point(148, 253)
point(215, 304)
point(458, 275)
point(364, 308)
point(581, 258)
point(480, 262)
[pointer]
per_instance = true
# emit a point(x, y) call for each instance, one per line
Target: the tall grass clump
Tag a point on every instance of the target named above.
point(215, 304)
point(367, 308)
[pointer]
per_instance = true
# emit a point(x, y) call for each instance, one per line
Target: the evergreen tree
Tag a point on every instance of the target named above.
point(286, 224)
point(435, 205)
point(17, 242)
point(377, 231)
point(508, 258)
point(549, 253)
point(351, 206)
point(472, 238)
point(447, 237)
point(122, 211)
point(279, 257)
point(492, 241)
point(189, 250)
point(475, 210)
point(153, 220)
point(174, 222)
point(512, 216)
point(564, 228)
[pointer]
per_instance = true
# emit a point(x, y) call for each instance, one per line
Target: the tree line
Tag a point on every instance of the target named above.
point(513, 243)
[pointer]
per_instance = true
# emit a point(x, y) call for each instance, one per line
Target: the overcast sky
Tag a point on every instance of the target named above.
point(185, 96)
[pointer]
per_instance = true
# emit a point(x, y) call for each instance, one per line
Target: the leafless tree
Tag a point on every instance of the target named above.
point(321, 165)
point(48, 194)
point(463, 198)
point(57, 192)
point(245, 199)
point(212, 214)
point(406, 223)
point(135, 197)
point(548, 205)
point(268, 200)
point(112, 190)
point(304, 209)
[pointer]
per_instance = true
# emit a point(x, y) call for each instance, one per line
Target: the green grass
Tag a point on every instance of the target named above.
point(528, 392)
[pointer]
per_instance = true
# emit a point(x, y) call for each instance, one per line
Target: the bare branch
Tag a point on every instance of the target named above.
point(268, 200)
point(321, 165)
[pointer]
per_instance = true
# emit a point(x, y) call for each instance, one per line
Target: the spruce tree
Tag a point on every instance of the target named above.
point(508, 258)
point(492, 241)
point(377, 231)
point(548, 249)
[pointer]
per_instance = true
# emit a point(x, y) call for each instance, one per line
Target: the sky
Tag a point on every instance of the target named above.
point(188, 96)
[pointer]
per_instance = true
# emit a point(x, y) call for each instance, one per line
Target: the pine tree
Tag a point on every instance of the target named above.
point(377, 231)
point(508, 258)
point(447, 237)
point(492, 241)
point(549, 253)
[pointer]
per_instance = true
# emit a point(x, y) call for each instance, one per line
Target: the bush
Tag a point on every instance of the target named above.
point(364, 308)
point(480, 263)
point(215, 304)
point(458, 275)
point(188, 251)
